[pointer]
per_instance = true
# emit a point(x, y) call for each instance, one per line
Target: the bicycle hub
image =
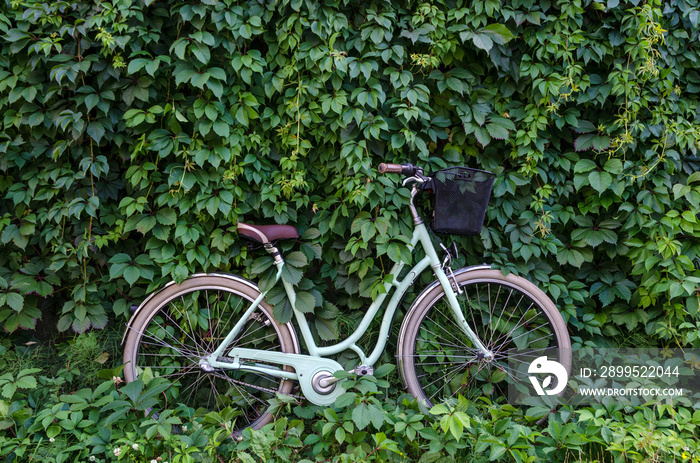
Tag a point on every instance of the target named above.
point(323, 382)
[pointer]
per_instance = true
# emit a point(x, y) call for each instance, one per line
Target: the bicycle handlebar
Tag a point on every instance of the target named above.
point(405, 169)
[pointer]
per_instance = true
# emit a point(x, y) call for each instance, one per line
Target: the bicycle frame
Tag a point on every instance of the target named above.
point(308, 367)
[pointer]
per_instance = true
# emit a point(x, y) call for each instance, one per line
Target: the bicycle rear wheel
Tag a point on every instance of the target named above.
point(184, 323)
point(438, 361)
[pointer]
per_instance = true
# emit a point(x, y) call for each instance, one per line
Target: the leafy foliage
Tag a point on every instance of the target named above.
point(136, 134)
point(108, 423)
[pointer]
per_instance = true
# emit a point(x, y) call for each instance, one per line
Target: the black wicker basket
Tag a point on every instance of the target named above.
point(460, 198)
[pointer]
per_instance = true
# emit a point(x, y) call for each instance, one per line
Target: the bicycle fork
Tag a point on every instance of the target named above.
point(461, 321)
point(421, 233)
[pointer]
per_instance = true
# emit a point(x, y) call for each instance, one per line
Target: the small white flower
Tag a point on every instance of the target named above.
point(117, 451)
point(92, 458)
point(154, 461)
point(184, 428)
point(52, 440)
point(135, 446)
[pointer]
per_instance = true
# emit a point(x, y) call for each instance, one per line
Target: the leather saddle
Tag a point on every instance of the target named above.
point(265, 234)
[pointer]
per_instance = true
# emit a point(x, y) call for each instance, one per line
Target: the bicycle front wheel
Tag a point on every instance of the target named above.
point(184, 323)
point(438, 361)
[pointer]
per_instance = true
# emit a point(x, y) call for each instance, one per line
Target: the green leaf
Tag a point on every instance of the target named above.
point(384, 370)
point(376, 416)
point(327, 328)
point(296, 259)
point(601, 143)
point(585, 127)
point(166, 216)
point(614, 166)
point(8, 390)
point(261, 264)
point(96, 131)
point(456, 428)
point(201, 52)
point(221, 128)
point(53, 431)
point(15, 301)
point(345, 400)
point(601, 181)
point(584, 142)
point(497, 451)
point(483, 41)
point(26, 382)
point(305, 302)
point(499, 33)
point(439, 409)
point(91, 101)
point(496, 131)
point(136, 65)
point(361, 416)
point(482, 136)
point(131, 274)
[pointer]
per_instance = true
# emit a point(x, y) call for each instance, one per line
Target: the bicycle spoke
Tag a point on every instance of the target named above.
point(162, 343)
point(196, 344)
point(450, 319)
point(518, 324)
point(445, 383)
point(495, 325)
point(446, 343)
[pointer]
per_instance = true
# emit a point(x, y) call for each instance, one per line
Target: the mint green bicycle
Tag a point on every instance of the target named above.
point(215, 337)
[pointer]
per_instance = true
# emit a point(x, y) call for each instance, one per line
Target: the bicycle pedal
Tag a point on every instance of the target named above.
point(364, 370)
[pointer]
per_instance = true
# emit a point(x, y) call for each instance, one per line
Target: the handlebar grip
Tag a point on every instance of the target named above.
point(405, 169)
point(390, 168)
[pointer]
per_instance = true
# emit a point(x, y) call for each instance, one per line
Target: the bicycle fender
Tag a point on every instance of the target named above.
point(435, 283)
point(231, 276)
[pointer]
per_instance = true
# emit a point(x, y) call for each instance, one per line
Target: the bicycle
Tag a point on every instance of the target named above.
point(215, 336)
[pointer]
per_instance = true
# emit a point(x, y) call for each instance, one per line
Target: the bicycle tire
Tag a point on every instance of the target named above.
point(438, 362)
point(171, 341)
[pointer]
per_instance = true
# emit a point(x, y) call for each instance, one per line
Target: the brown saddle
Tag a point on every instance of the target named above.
point(264, 234)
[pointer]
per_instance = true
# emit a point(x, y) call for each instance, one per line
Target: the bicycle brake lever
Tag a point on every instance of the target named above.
point(409, 180)
point(448, 256)
point(454, 251)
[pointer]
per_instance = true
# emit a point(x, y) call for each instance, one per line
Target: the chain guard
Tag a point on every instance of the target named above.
point(306, 367)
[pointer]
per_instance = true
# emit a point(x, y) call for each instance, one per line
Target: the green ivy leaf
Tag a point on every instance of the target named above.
point(600, 181)
point(15, 301)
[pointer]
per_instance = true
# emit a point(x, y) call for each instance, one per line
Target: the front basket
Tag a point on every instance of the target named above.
point(460, 198)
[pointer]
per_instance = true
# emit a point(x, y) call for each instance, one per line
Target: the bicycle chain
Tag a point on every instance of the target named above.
point(254, 386)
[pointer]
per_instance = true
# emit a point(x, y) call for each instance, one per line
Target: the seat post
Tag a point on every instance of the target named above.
point(275, 253)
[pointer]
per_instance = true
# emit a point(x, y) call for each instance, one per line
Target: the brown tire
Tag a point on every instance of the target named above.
point(438, 362)
point(183, 323)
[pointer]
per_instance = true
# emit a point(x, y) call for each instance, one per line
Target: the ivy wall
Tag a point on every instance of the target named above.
point(136, 134)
